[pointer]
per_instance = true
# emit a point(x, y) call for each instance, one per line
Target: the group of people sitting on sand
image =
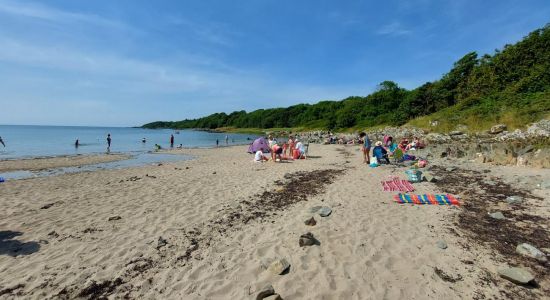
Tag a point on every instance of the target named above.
point(382, 151)
point(289, 150)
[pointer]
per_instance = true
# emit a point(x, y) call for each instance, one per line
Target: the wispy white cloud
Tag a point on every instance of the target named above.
point(394, 28)
point(212, 32)
point(47, 13)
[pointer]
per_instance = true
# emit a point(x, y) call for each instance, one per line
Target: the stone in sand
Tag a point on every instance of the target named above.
point(307, 240)
point(274, 297)
point(531, 251)
point(450, 169)
point(161, 242)
point(442, 244)
point(267, 291)
point(497, 215)
point(315, 209)
point(310, 222)
point(514, 200)
point(114, 218)
point(428, 177)
point(516, 275)
point(279, 266)
point(325, 211)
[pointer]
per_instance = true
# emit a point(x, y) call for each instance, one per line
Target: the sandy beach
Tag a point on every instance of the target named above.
point(209, 228)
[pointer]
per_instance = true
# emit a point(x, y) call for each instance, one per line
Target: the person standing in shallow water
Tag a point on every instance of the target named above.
point(76, 143)
point(108, 141)
point(2, 142)
point(171, 141)
point(217, 142)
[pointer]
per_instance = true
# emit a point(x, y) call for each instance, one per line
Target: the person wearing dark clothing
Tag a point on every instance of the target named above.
point(171, 141)
point(76, 143)
point(108, 141)
point(2, 142)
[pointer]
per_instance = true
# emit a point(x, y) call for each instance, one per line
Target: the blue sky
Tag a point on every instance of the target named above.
point(128, 62)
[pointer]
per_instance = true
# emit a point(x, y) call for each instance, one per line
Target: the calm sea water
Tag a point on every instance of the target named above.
point(38, 141)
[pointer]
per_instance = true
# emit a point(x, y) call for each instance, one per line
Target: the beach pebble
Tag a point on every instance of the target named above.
point(315, 209)
point(497, 215)
point(310, 222)
point(514, 200)
point(325, 211)
point(267, 291)
point(161, 242)
point(308, 240)
point(516, 275)
point(274, 297)
point(441, 244)
point(114, 218)
point(531, 251)
point(450, 169)
point(428, 177)
point(279, 266)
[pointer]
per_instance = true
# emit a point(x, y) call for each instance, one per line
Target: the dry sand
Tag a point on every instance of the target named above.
point(206, 229)
point(34, 164)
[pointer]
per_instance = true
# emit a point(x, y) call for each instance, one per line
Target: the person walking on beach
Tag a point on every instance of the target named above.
point(108, 141)
point(365, 147)
point(2, 142)
point(171, 141)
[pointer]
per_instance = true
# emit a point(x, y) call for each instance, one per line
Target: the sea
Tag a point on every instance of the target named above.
point(30, 141)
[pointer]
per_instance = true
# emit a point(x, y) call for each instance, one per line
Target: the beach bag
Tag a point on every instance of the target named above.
point(414, 175)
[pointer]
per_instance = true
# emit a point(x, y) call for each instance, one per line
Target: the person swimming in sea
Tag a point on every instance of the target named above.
point(143, 140)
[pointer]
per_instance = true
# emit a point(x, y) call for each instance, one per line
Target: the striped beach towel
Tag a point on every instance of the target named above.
point(397, 185)
point(427, 199)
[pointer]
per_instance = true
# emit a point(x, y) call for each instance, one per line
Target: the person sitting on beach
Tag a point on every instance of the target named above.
point(415, 144)
point(260, 157)
point(380, 153)
point(157, 147)
point(403, 145)
point(180, 146)
point(390, 145)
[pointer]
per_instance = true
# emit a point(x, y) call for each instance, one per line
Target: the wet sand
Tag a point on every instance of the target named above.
point(36, 164)
point(208, 228)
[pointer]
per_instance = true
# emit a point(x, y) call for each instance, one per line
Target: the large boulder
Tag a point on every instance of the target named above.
point(498, 129)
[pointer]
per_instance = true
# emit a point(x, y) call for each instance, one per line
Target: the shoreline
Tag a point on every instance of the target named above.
point(52, 162)
point(209, 227)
